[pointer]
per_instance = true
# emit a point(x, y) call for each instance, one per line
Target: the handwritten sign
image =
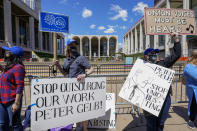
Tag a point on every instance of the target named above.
point(147, 86)
point(160, 21)
point(109, 120)
point(63, 101)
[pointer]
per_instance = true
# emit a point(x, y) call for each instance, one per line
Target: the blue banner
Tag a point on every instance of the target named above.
point(50, 22)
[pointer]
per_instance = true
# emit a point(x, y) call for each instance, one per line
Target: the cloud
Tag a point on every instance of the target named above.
point(101, 28)
point(139, 8)
point(120, 13)
point(92, 26)
point(86, 13)
point(123, 27)
point(109, 30)
point(63, 1)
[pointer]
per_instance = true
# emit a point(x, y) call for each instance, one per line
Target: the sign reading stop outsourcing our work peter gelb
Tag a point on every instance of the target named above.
point(161, 21)
point(51, 22)
point(109, 119)
point(62, 101)
point(147, 86)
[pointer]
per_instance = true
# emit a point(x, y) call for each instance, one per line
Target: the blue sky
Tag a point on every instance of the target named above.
point(99, 17)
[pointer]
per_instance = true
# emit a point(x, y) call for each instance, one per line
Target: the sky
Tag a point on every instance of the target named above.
point(99, 17)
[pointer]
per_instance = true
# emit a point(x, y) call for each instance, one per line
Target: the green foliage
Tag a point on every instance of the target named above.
point(47, 55)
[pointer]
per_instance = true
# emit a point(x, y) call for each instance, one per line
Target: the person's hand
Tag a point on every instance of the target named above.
point(56, 62)
point(175, 36)
point(81, 77)
point(15, 107)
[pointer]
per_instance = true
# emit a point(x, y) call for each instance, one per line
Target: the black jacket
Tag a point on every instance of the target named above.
point(175, 55)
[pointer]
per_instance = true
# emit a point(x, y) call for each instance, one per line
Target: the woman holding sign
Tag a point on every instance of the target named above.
point(190, 75)
point(75, 66)
point(11, 89)
point(154, 123)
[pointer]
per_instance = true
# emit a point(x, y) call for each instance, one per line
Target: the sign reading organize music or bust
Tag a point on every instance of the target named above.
point(50, 22)
point(109, 120)
point(147, 86)
point(160, 21)
point(63, 101)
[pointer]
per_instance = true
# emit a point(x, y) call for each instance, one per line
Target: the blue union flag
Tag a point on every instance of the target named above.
point(50, 22)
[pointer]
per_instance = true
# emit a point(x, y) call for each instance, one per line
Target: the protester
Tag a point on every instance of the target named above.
point(75, 66)
point(190, 76)
point(154, 123)
point(11, 89)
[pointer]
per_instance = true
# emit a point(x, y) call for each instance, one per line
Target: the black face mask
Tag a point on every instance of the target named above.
point(152, 58)
point(73, 49)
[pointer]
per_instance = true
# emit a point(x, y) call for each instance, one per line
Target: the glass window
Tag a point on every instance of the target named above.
point(23, 31)
point(13, 29)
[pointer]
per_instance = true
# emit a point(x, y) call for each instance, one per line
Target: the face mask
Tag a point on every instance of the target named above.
point(153, 58)
point(73, 49)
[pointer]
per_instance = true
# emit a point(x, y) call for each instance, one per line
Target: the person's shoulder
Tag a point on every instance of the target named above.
point(19, 66)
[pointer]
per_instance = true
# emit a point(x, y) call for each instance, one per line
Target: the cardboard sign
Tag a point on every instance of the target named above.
point(160, 21)
point(147, 86)
point(109, 120)
point(63, 101)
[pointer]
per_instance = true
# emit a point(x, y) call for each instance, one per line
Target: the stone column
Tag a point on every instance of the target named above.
point(40, 41)
point(129, 43)
point(7, 20)
point(31, 33)
point(107, 46)
point(81, 47)
point(156, 41)
point(136, 41)
point(184, 44)
point(147, 41)
point(132, 43)
point(99, 47)
point(141, 38)
point(167, 38)
point(50, 42)
point(90, 48)
point(17, 31)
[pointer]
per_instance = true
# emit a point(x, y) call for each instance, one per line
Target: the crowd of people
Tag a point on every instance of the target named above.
point(77, 66)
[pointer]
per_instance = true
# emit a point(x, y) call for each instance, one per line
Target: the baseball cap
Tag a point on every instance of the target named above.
point(14, 50)
point(149, 50)
point(69, 41)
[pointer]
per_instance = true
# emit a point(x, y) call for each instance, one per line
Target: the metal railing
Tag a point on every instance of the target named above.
point(114, 85)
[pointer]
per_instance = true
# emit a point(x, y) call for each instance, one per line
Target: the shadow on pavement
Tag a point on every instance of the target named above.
point(137, 124)
point(181, 111)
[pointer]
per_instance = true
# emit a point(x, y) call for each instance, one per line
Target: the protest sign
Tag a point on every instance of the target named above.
point(147, 86)
point(62, 101)
point(161, 21)
point(109, 120)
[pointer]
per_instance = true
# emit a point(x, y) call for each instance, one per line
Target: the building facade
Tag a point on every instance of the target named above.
point(135, 41)
point(97, 45)
point(19, 25)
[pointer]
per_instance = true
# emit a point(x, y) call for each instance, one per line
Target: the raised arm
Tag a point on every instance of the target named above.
point(56, 62)
point(176, 53)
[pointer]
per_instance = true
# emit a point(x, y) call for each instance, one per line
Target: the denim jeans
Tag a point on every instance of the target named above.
point(154, 123)
point(8, 119)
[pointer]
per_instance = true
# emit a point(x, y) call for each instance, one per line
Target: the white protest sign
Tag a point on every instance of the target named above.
point(161, 21)
point(63, 101)
point(147, 86)
point(109, 120)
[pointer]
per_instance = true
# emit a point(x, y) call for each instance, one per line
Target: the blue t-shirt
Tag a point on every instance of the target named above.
point(77, 67)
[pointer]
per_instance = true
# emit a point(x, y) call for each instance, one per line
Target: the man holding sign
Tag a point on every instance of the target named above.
point(157, 123)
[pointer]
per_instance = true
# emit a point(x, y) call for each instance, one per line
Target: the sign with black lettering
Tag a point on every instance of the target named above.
point(161, 21)
point(63, 101)
point(147, 86)
point(109, 119)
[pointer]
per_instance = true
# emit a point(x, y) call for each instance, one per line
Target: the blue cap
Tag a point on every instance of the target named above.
point(14, 50)
point(70, 41)
point(149, 50)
